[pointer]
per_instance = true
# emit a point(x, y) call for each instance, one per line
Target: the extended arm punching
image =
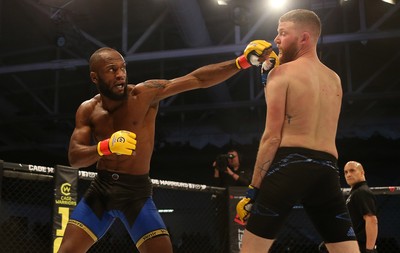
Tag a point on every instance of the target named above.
point(254, 55)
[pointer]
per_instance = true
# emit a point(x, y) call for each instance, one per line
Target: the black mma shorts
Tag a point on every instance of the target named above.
point(308, 177)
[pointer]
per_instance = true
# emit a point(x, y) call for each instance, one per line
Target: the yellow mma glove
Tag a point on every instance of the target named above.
point(251, 54)
point(243, 208)
point(268, 65)
point(121, 143)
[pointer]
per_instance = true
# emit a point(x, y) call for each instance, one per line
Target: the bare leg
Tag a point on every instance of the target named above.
point(156, 244)
point(343, 247)
point(75, 240)
point(252, 243)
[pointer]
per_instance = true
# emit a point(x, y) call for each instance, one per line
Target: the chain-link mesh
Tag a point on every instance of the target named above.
point(197, 221)
point(25, 214)
point(300, 236)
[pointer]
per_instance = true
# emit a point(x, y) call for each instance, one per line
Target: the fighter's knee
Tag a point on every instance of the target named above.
point(73, 248)
point(161, 243)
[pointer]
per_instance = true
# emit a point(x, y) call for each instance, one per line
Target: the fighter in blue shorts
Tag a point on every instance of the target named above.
point(105, 133)
point(123, 196)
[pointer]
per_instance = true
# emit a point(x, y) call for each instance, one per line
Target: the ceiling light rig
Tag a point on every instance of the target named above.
point(386, 1)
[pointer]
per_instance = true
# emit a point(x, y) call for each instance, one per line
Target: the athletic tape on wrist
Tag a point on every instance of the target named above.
point(242, 63)
point(251, 192)
point(103, 149)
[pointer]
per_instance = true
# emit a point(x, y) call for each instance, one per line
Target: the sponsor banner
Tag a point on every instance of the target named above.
point(40, 169)
point(36, 169)
point(179, 185)
point(236, 227)
point(65, 200)
point(87, 174)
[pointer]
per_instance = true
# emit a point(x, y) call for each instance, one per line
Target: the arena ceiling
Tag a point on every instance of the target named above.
point(45, 44)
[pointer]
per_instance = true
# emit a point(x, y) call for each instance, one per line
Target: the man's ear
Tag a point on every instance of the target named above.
point(305, 37)
point(93, 77)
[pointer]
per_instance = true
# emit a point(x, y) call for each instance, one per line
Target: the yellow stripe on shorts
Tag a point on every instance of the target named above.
point(86, 229)
point(151, 235)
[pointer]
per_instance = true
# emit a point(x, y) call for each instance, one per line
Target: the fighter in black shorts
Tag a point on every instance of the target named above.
point(303, 102)
point(306, 176)
point(123, 196)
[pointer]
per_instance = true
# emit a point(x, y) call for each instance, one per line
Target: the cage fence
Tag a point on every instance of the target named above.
point(197, 219)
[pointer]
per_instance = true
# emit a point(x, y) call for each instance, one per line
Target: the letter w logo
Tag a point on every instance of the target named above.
point(66, 189)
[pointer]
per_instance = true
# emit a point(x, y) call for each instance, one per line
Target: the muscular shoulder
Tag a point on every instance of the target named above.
point(151, 85)
point(286, 73)
point(280, 74)
point(308, 72)
point(90, 104)
point(153, 89)
point(87, 108)
point(329, 73)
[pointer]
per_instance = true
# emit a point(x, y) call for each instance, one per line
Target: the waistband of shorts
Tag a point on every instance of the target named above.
point(316, 154)
point(116, 176)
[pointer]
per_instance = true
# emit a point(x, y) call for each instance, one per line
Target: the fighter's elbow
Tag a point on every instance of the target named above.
point(271, 139)
point(276, 140)
point(372, 219)
point(73, 160)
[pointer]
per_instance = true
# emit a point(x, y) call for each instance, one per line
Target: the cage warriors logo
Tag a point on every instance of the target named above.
point(65, 198)
point(66, 189)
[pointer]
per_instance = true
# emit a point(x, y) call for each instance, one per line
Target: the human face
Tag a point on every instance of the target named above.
point(233, 162)
point(353, 173)
point(287, 41)
point(111, 78)
point(108, 92)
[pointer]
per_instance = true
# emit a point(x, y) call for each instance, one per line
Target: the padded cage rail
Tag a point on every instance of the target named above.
point(30, 198)
point(200, 218)
point(37, 172)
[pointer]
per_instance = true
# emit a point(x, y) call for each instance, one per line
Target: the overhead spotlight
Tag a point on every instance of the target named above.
point(386, 1)
point(222, 2)
point(277, 4)
point(343, 2)
point(389, 1)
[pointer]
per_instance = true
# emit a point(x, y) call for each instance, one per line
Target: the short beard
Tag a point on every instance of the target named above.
point(105, 91)
point(290, 53)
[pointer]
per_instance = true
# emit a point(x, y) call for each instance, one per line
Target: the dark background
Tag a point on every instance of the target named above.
point(44, 47)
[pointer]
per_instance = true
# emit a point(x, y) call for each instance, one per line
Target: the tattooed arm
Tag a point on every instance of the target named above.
point(265, 155)
point(275, 95)
point(203, 77)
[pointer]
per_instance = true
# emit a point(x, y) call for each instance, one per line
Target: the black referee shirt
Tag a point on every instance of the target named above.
point(360, 202)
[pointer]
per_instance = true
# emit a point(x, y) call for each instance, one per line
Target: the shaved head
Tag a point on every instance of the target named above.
point(355, 165)
point(99, 56)
point(354, 173)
